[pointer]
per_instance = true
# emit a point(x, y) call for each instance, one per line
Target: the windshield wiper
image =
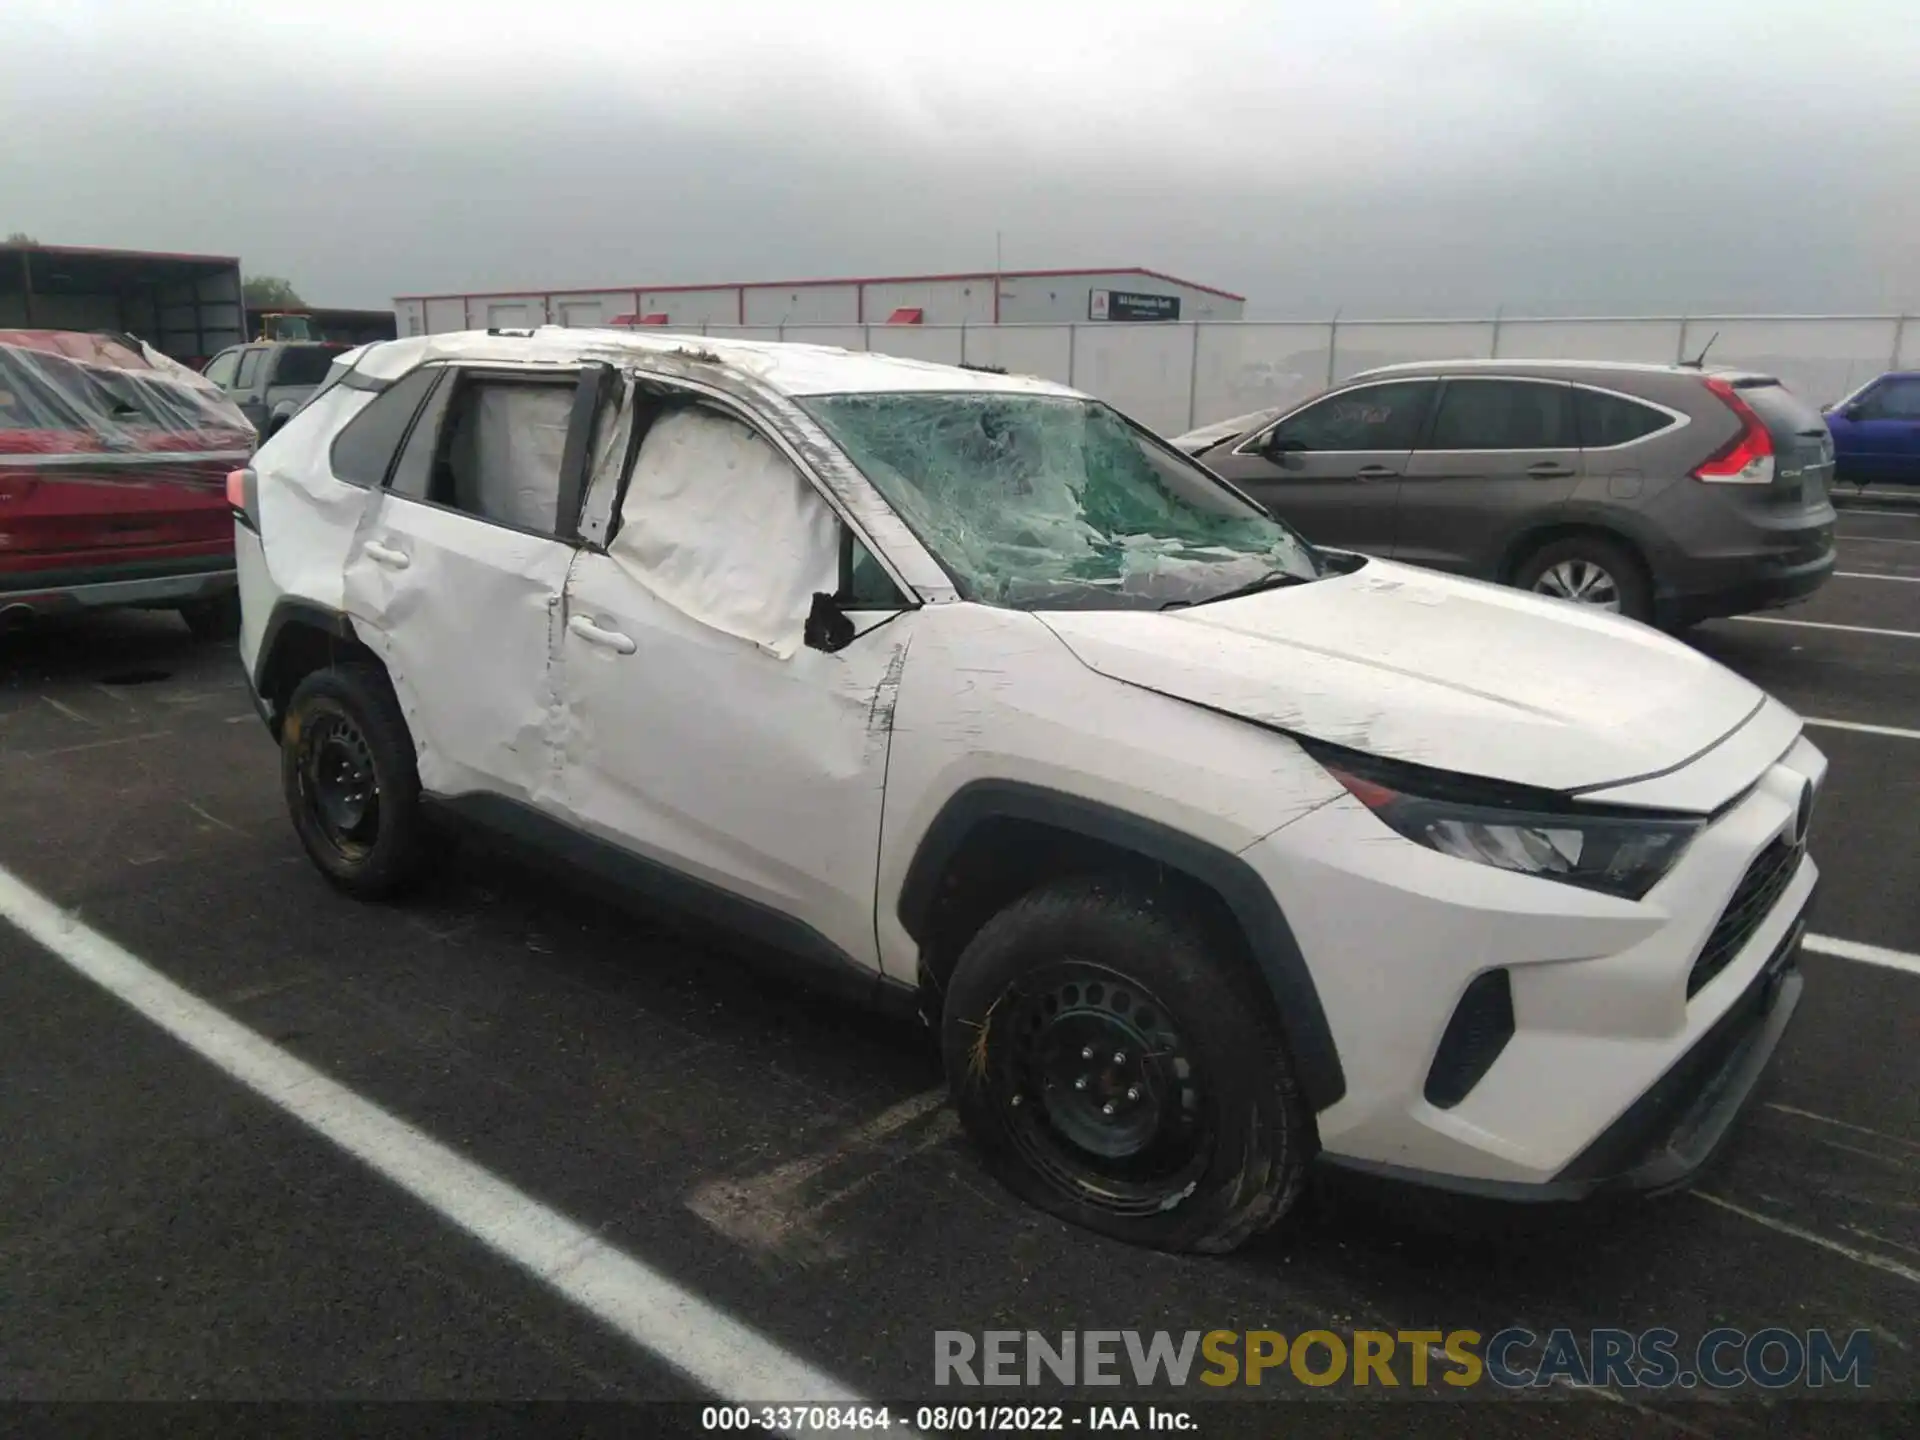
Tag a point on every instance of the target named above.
point(1272, 580)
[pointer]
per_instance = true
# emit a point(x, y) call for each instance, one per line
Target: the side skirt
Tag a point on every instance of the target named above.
point(780, 943)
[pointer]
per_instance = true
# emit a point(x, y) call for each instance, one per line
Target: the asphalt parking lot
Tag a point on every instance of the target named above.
point(167, 1233)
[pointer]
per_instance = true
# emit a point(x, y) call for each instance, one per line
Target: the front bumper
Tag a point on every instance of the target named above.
point(1622, 1064)
point(1670, 1133)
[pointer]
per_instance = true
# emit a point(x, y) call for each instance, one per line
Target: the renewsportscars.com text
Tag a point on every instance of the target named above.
point(1513, 1358)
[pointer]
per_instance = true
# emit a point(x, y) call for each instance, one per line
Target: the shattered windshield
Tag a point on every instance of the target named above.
point(1044, 501)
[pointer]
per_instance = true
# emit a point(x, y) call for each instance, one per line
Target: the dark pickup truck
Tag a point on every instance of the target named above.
point(272, 379)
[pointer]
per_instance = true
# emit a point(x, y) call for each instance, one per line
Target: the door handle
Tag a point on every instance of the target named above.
point(1375, 472)
point(594, 635)
point(386, 555)
point(1549, 470)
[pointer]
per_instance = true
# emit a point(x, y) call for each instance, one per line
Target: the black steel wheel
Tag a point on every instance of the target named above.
point(1099, 1088)
point(347, 768)
point(1119, 1068)
point(339, 786)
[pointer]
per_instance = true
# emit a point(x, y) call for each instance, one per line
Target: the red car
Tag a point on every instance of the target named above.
point(113, 465)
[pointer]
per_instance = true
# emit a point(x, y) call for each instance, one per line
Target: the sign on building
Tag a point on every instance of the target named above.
point(1131, 305)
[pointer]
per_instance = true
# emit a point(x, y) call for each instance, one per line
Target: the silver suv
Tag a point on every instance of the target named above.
point(1666, 493)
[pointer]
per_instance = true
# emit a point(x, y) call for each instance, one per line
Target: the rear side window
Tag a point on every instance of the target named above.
point(303, 365)
point(1373, 417)
point(1504, 415)
point(363, 450)
point(1608, 420)
point(420, 466)
point(1893, 400)
point(249, 369)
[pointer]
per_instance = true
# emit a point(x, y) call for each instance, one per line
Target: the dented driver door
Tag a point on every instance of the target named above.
point(697, 731)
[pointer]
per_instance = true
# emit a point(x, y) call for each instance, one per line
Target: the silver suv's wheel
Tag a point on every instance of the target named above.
point(1582, 582)
point(1591, 570)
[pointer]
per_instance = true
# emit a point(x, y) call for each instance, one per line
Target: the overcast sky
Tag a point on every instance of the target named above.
point(1378, 156)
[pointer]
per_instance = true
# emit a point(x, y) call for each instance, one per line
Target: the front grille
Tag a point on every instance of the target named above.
point(1753, 900)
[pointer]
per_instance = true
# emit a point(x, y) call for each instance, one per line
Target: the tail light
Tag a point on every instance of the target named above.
point(1748, 458)
point(243, 495)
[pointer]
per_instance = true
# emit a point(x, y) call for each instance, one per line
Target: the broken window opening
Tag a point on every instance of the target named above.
point(502, 453)
point(718, 523)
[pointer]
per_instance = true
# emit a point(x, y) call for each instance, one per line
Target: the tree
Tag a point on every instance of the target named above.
point(20, 237)
point(271, 292)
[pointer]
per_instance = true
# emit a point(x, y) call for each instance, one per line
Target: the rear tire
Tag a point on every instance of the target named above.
point(215, 619)
point(352, 789)
point(1121, 1070)
point(1589, 570)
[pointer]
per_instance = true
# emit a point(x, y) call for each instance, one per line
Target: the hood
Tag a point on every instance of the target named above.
point(1194, 441)
point(1472, 678)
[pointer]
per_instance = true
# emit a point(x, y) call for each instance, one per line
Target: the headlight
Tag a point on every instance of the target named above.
point(1613, 850)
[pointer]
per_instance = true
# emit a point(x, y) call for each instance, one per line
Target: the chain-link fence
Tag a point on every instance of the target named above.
point(1176, 376)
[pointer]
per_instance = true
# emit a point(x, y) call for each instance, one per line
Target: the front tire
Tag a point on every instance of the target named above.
point(1120, 1070)
point(352, 789)
point(1589, 570)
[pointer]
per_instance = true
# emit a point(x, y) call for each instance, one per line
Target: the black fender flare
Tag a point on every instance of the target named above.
point(1269, 938)
point(291, 612)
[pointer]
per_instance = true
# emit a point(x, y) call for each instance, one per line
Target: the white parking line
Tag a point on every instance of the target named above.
point(1874, 575)
point(1865, 954)
point(702, 1342)
point(71, 713)
point(1893, 730)
point(1880, 492)
point(1824, 625)
point(1860, 1257)
point(1879, 539)
point(99, 744)
point(1840, 1124)
point(1870, 510)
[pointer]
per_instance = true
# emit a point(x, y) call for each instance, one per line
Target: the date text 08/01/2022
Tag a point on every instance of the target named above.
point(937, 1419)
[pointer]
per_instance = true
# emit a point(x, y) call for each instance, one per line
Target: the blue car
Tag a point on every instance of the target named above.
point(1876, 432)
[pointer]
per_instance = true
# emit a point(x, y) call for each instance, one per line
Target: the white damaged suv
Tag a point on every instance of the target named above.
point(1210, 853)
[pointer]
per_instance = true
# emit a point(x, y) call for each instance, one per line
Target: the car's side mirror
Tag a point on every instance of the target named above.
point(1284, 453)
point(828, 629)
